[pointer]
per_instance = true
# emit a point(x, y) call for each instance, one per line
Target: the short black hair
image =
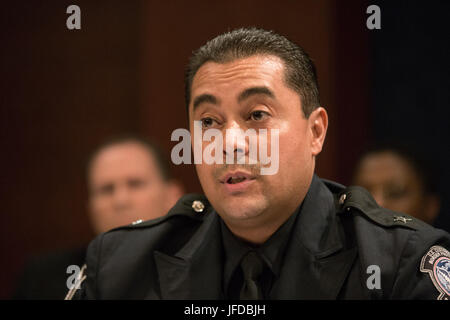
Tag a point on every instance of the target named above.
point(151, 146)
point(300, 72)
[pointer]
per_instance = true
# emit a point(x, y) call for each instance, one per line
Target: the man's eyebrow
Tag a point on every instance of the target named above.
point(254, 91)
point(204, 98)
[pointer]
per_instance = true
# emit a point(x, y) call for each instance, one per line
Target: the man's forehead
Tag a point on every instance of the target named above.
point(130, 155)
point(125, 149)
point(257, 67)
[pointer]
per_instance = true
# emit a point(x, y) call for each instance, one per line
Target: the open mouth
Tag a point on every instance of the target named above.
point(234, 180)
point(237, 182)
point(236, 177)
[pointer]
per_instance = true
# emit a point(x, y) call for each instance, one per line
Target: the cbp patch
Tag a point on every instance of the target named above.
point(437, 264)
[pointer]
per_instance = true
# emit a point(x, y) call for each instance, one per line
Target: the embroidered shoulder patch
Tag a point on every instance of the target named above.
point(437, 264)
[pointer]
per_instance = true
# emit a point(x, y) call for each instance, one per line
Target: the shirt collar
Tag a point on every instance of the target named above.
point(271, 251)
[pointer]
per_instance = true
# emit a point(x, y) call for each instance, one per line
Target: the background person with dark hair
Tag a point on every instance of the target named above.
point(129, 181)
point(400, 179)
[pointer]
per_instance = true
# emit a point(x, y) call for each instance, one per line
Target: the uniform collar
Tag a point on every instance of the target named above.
point(317, 259)
point(195, 271)
point(270, 251)
point(317, 228)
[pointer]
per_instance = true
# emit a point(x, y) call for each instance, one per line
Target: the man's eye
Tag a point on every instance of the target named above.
point(258, 115)
point(207, 122)
point(136, 183)
point(106, 190)
point(395, 194)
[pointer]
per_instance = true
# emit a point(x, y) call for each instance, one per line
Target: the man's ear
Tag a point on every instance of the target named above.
point(318, 124)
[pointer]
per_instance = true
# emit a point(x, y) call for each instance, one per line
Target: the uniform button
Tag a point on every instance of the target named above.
point(342, 198)
point(136, 222)
point(198, 206)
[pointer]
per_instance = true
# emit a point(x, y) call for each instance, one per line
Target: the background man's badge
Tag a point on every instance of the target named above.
point(437, 264)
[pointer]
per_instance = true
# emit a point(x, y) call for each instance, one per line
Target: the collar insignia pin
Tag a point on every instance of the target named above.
point(401, 219)
point(198, 206)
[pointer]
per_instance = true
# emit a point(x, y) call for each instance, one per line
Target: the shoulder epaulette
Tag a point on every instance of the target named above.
point(358, 198)
point(193, 206)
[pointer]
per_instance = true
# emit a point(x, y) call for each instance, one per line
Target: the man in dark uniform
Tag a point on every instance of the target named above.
point(284, 235)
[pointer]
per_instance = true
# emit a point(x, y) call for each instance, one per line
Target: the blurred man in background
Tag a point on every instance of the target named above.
point(129, 181)
point(400, 180)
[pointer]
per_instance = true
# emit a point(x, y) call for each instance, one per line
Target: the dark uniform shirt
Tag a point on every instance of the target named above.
point(341, 245)
point(272, 253)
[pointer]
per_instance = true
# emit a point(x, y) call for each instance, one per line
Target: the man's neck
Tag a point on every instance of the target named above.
point(259, 230)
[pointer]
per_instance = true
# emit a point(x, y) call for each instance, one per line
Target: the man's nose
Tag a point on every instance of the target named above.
point(235, 141)
point(121, 198)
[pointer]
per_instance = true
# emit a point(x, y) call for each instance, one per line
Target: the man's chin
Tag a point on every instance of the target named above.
point(242, 208)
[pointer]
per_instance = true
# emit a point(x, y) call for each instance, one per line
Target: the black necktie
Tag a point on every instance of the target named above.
point(252, 268)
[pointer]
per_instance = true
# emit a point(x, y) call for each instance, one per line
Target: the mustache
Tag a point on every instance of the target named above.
point(253, 169)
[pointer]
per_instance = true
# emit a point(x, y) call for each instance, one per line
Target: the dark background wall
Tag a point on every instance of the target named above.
point(63, 92)
point(410, 84)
